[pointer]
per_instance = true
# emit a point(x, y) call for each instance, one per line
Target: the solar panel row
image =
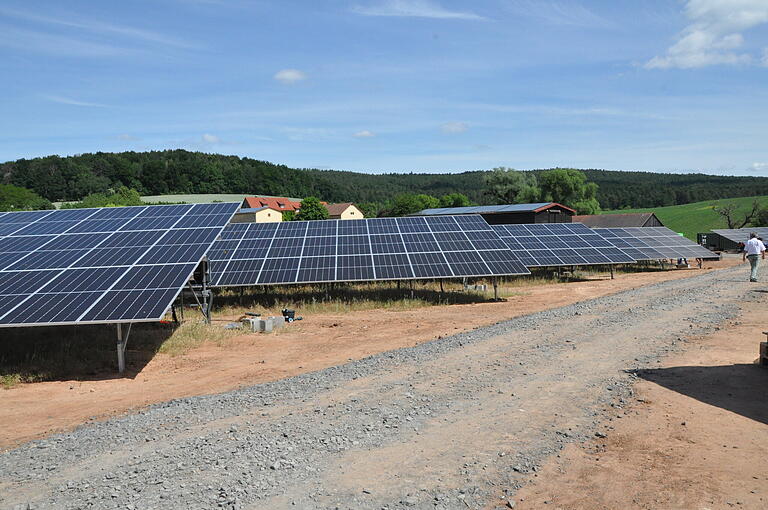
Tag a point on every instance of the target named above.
point(360, 250)
point(560, 244)
point(654, 243)
point(101, 265)
point(741, 235)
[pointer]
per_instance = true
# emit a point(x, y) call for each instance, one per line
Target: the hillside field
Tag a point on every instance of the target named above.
point(691, 219)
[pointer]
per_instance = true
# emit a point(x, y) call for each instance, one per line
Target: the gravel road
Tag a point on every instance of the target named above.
point(456, 423)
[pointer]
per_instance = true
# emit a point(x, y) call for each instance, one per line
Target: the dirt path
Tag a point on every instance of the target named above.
point(34, 410)
point(446, 424)
point(694, 437)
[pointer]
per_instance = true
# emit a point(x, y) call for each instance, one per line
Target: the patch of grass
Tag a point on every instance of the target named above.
point(193, 334)
point(691, 219)
point(8, 381)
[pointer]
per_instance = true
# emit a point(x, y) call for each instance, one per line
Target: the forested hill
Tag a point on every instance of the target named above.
point(178, 171)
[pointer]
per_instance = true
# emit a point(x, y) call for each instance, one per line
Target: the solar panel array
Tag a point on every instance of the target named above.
point(121, 264)
point(741, 235)
point(560, 244)
point(360, 250)
point(654, 243)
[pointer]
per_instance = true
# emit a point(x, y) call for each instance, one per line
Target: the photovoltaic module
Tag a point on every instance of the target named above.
point(121, 264)
point(360, 250)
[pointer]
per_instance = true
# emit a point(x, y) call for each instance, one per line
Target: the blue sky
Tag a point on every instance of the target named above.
point(393, 85)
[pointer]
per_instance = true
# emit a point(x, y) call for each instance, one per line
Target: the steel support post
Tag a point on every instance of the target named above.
point(120, 349)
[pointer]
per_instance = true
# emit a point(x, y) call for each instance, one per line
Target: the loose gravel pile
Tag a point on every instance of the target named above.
point(453, 423)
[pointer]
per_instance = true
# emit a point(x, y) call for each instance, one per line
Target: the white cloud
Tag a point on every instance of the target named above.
point(364, 134)
point(714, 35)
point(454, 127)
point(758, 167)
point(290, 76)
point(73, 102)
point(413, 9)
point(128, 138)
point(765, 57)
point(210, 139)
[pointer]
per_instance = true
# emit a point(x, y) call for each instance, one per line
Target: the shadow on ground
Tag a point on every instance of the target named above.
point(741, 388)
point(86, 352)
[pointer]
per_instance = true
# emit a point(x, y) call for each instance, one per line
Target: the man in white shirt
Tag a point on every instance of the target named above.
point(754, 249)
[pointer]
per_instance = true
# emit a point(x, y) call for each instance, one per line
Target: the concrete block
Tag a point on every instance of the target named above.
point(250, 324)
point(259, 325)
point(277, 322)
point(265, 325)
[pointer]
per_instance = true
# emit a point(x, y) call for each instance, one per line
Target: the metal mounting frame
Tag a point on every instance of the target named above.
point(122, 342)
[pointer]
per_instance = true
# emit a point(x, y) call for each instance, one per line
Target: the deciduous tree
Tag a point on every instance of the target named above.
point(508, 186)
point(312, 209)
point(570, 187)
point(733, 218)
point(15, 198)
point(454, 200)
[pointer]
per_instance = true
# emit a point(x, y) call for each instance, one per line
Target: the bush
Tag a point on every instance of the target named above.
point(15, 198)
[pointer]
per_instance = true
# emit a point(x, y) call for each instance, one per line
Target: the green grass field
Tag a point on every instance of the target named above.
point(691, 219)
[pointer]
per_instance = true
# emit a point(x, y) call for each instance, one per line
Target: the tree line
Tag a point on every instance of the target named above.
point(56, 178)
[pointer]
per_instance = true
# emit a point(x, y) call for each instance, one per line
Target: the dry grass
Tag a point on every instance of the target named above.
point(344, 298)
point(191, 334)
point(8, 381)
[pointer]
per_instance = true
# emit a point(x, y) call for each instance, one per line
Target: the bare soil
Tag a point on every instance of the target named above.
point(695, 436)
point(35, 410)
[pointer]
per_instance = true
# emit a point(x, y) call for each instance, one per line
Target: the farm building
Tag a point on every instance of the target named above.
point(544, 212)
point(345, 211)
point(257, 215)
point(276, 203)
point(619, 220)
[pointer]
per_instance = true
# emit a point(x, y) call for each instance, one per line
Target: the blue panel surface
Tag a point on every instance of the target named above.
point(654, 243)
point(559, 244)
point(368, 249)
point(101, 265)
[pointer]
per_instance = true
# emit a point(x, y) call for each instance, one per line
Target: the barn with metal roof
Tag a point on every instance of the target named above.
point(542, 212)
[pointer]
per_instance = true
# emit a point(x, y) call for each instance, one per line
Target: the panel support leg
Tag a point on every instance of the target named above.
point(612, 275)
point(495, 289)
point(203, 307)
point(121, 344)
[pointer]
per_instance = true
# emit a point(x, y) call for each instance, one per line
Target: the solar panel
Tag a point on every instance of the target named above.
point(560, 244)
point(654, 243)
point(360, 250)
point(741, 235)
point(124, 264)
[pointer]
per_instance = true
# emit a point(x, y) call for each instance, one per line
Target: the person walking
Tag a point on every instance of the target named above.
point(754, 249)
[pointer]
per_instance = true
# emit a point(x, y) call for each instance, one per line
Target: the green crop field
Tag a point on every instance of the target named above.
point(691, 219)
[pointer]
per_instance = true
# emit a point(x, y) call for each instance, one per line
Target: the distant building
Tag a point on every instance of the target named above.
point(730, 239)
point(544, 212)
point(619, 220)
point(257, 215)
point(276, 203)
point(345, 211)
